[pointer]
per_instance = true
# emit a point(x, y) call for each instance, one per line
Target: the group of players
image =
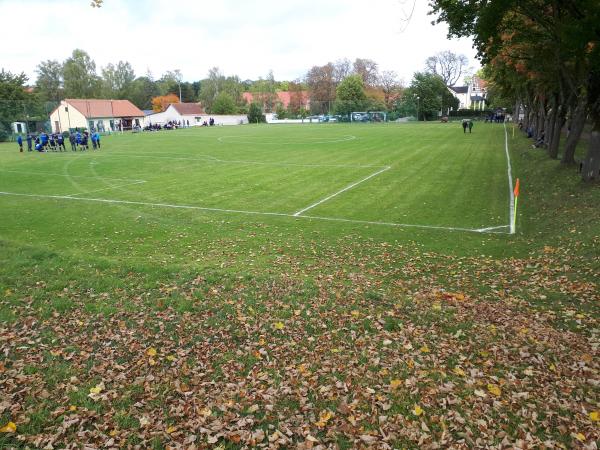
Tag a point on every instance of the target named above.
point(55, 142)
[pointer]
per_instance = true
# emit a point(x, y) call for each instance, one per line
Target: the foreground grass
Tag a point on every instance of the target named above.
point(123, 330)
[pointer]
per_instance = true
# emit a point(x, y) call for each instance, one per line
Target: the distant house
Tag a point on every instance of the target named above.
point(301, 98)
point(185, 113)
point(472, 96)
point(95, 114)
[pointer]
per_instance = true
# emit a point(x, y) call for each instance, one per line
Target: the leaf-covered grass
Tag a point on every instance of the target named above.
point(130, 324)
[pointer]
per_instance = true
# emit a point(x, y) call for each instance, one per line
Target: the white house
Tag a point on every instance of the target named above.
point(101, 115)
point(472, 96)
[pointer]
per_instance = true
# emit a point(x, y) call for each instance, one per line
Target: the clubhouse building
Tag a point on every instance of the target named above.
point(95, 114)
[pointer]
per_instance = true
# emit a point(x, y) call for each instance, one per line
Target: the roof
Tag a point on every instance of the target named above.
point(188, 109)
point(105, 108)
point(284, 97)
point(459, 89)
point(148, 112)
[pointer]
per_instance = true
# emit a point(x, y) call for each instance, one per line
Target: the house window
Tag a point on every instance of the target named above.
point(137, 122)
point(198, 119)
point(112, 125)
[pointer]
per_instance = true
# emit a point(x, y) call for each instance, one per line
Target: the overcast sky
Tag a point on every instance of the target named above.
point(244, 38)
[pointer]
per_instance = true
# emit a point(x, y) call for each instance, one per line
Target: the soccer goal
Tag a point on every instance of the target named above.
point(370, 116)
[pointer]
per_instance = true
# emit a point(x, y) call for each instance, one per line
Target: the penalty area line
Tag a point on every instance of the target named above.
point(256, 213)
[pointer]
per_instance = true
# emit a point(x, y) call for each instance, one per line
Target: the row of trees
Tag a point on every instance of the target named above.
point(335, 88)
point(542, 56)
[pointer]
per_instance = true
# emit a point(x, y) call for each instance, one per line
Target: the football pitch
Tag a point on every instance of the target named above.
point(392, 175)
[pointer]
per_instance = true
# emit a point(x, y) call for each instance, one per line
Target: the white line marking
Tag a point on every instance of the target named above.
point(69, 176)
point(511, 204)
point(482, 230)
point(106, 188)
point(234, 161)
point(341, 191)
point(258, 213)
point(344, 138)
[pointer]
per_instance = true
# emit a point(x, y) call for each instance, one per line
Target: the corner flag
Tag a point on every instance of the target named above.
point(516, 192)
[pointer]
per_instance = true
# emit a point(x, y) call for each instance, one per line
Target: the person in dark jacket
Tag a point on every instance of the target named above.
point(20, 142)
point(29, 139)
point(72, 142)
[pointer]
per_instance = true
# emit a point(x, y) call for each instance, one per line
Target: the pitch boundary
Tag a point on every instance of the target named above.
point(488, 230)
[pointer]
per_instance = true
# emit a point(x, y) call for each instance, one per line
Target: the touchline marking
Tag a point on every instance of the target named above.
point(296, 214)
point(106, 188)
point(256, 213)
point(511, 203)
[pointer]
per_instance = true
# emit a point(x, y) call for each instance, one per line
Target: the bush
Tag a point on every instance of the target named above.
point(255, 114)
point(4, 132)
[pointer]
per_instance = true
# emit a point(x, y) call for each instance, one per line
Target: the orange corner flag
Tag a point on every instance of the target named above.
point(516, 191)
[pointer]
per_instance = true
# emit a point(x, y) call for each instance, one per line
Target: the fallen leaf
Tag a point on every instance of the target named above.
point(151, 351)
point(458, 371)
point(395, 384)
point(595, 416)
point(10, 427)
point(417, 410)
point(494, 389)
point(279, 325)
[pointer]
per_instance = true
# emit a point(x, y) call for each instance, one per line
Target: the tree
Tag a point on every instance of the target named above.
point(49, 83)
point(255, 114)
point(322, 87)
point(297, 98)
point(341, 69)
point(350, 95)
point(447, 65)
point(117, 80)
point(142, 90)
point(162, 102)
point(79, 74)
point(428, 93)
point(544, 54)
point(14, 99)
point(368, 71)
point(223, 104)
point(265, 92)
point(210, 87)
point(391, 88)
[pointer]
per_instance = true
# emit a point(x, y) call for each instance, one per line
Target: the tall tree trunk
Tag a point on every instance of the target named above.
point(591, 164)
point(541, 120)
point(549, 123)
point(559, 123)
point(576, 128)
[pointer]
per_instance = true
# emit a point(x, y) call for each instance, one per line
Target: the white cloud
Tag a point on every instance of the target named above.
point(243, 38)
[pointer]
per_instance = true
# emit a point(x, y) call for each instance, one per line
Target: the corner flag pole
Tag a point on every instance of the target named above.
point(516, 192)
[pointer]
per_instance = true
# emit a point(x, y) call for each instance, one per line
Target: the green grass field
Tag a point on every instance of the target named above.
point(348, 285)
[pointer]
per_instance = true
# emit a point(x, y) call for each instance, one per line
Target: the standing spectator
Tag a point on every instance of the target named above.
point(97, 135)
point(465, 125)
point(72, 142)
point(60, 140)
point(20, 142)
point(470, 125)
point(29, 139)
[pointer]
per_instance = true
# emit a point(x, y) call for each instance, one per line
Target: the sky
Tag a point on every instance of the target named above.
point(244, 38)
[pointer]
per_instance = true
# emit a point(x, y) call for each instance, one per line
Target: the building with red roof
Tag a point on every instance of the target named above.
point(95, 114)
point(301, 98)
